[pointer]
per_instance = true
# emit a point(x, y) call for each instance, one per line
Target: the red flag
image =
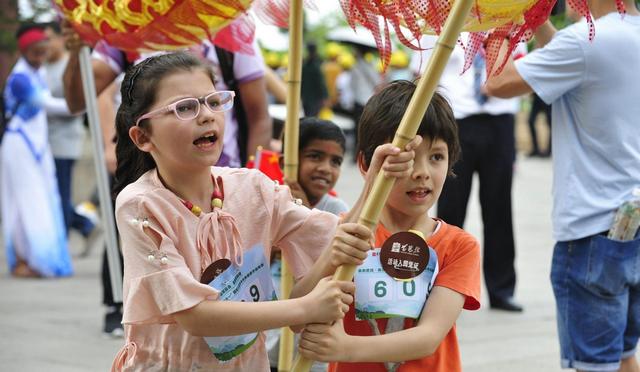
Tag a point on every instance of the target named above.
point(268, 162)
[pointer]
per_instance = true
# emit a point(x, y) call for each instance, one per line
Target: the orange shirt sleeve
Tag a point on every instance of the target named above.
point(459, 262)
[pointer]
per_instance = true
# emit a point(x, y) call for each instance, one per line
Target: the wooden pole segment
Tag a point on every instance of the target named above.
point(292, 124)
point(406, 131)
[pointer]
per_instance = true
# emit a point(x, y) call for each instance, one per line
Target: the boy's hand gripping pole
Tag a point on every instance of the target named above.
point(406, 131)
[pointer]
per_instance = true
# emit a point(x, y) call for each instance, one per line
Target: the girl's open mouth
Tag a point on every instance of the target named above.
point(206, 141)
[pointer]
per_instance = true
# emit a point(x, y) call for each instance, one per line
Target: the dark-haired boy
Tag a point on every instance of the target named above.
point(321, 152)
point(427, 342)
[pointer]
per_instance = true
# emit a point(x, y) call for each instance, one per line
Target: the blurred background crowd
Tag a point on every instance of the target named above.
point(341, 70)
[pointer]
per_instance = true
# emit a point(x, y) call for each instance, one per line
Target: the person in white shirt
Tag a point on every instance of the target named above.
point(363, 79)
point(66, 135)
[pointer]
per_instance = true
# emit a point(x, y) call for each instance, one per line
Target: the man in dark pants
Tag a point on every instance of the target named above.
point(488, 148)
point(538, 106)
point(486, 130)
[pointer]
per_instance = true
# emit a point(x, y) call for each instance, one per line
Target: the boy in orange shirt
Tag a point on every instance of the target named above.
point(425, 340)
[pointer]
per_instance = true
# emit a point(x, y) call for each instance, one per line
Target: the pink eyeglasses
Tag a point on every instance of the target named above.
point(189, 108)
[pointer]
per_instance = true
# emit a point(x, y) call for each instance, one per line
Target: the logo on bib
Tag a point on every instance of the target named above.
point(212, 271)
point(404, 255)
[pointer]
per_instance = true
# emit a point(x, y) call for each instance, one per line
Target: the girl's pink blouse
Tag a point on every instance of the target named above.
point(153, 221)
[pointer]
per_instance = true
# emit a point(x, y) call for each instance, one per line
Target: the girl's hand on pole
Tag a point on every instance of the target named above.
point(350, 245)
point(325, 342)
point(329, 300)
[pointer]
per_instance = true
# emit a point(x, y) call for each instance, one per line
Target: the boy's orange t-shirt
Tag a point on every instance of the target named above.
point(459, 263)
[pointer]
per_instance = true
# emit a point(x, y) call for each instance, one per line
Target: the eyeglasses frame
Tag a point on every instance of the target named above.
point(172, 106)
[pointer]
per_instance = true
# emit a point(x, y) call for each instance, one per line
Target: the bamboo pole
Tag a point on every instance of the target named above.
point(406, 131)
point(292, 124)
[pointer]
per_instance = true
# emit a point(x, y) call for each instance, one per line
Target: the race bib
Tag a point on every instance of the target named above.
point(249, 282)
point(378, 295)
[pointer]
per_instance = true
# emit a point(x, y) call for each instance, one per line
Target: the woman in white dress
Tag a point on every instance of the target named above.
point(32, 222)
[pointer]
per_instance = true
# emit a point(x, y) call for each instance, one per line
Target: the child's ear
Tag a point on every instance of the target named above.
point(140, 138)
point(362, 167)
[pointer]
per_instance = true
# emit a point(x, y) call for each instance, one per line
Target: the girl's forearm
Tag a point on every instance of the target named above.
point(320, 269)
point(409, 344)
point(228, 318)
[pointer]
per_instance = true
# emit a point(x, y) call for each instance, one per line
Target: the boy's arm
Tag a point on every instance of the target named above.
point(331, 343)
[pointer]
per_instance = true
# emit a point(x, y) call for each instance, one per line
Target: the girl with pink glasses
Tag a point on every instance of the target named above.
point(196, 238)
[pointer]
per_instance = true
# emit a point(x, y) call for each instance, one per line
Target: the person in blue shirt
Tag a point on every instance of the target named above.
point(593, 87)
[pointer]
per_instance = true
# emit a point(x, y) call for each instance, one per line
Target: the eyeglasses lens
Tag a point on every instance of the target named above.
point(220, 101)
point(187, 109)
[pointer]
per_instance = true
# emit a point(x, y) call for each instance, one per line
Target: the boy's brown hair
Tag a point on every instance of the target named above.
point(384, 110)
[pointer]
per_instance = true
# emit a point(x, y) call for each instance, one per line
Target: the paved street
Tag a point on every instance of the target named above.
point(55, 325)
